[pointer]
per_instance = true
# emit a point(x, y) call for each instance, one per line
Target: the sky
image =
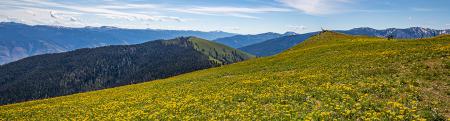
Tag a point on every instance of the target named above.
point(237, 16)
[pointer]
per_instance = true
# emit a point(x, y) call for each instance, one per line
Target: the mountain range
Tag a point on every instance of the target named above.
point(277, 45)
point(238, 41)
point(82, 70)
point(408, 33)
point(20, 40)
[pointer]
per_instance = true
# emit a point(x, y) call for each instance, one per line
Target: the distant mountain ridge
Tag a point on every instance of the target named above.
point(238, 41)
point(82, 70)
point(408, 33)
point(20, 40)
point(277, 45)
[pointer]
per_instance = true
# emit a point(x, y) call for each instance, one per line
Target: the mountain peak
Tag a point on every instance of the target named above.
point(109, 27)
point(289, 33)
point(268, 33)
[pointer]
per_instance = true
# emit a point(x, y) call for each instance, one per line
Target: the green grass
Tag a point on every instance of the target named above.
point(329, 76)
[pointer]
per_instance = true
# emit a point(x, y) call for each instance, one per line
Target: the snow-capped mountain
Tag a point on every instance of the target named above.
point(413, 32)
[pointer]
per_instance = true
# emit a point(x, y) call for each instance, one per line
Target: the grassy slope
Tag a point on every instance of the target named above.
point(327, 76)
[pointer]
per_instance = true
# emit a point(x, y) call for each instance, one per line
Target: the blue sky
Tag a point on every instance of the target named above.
point(238, 16)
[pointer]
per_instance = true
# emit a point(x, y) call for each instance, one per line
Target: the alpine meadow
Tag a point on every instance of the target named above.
point(225, 60)
point(329, 76)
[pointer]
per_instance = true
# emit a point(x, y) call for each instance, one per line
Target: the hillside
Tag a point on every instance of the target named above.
point(238, 41)
point(277, 45)
point(20, 40)
point(84, 70)
point(329, 76)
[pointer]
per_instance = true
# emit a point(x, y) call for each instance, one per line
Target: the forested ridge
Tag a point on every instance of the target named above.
point(90, 69)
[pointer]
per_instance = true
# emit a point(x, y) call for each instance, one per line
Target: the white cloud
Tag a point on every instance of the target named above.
point(235, 10)
point(33, 16)
point(422, 9)
point(108, 11)
point(57, 12)
point(317, 7)
point(14, 19)
point(296, 28)
point(242, 12)
point(235, 28)
point(131, 6)
point(120, 13)
point(30, 12)
point(73, 19)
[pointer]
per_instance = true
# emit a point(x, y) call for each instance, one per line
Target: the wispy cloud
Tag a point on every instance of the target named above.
point(296, 28)
point(243, 12)
point(73, 13)
point(231, 29)
point(73, 19)
point(422, 9)
point(131, 6)
point(325, 7)
point(115, 13)
point(317, 7)
point(9, 18)
point(107, 11)
point(34, 15)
